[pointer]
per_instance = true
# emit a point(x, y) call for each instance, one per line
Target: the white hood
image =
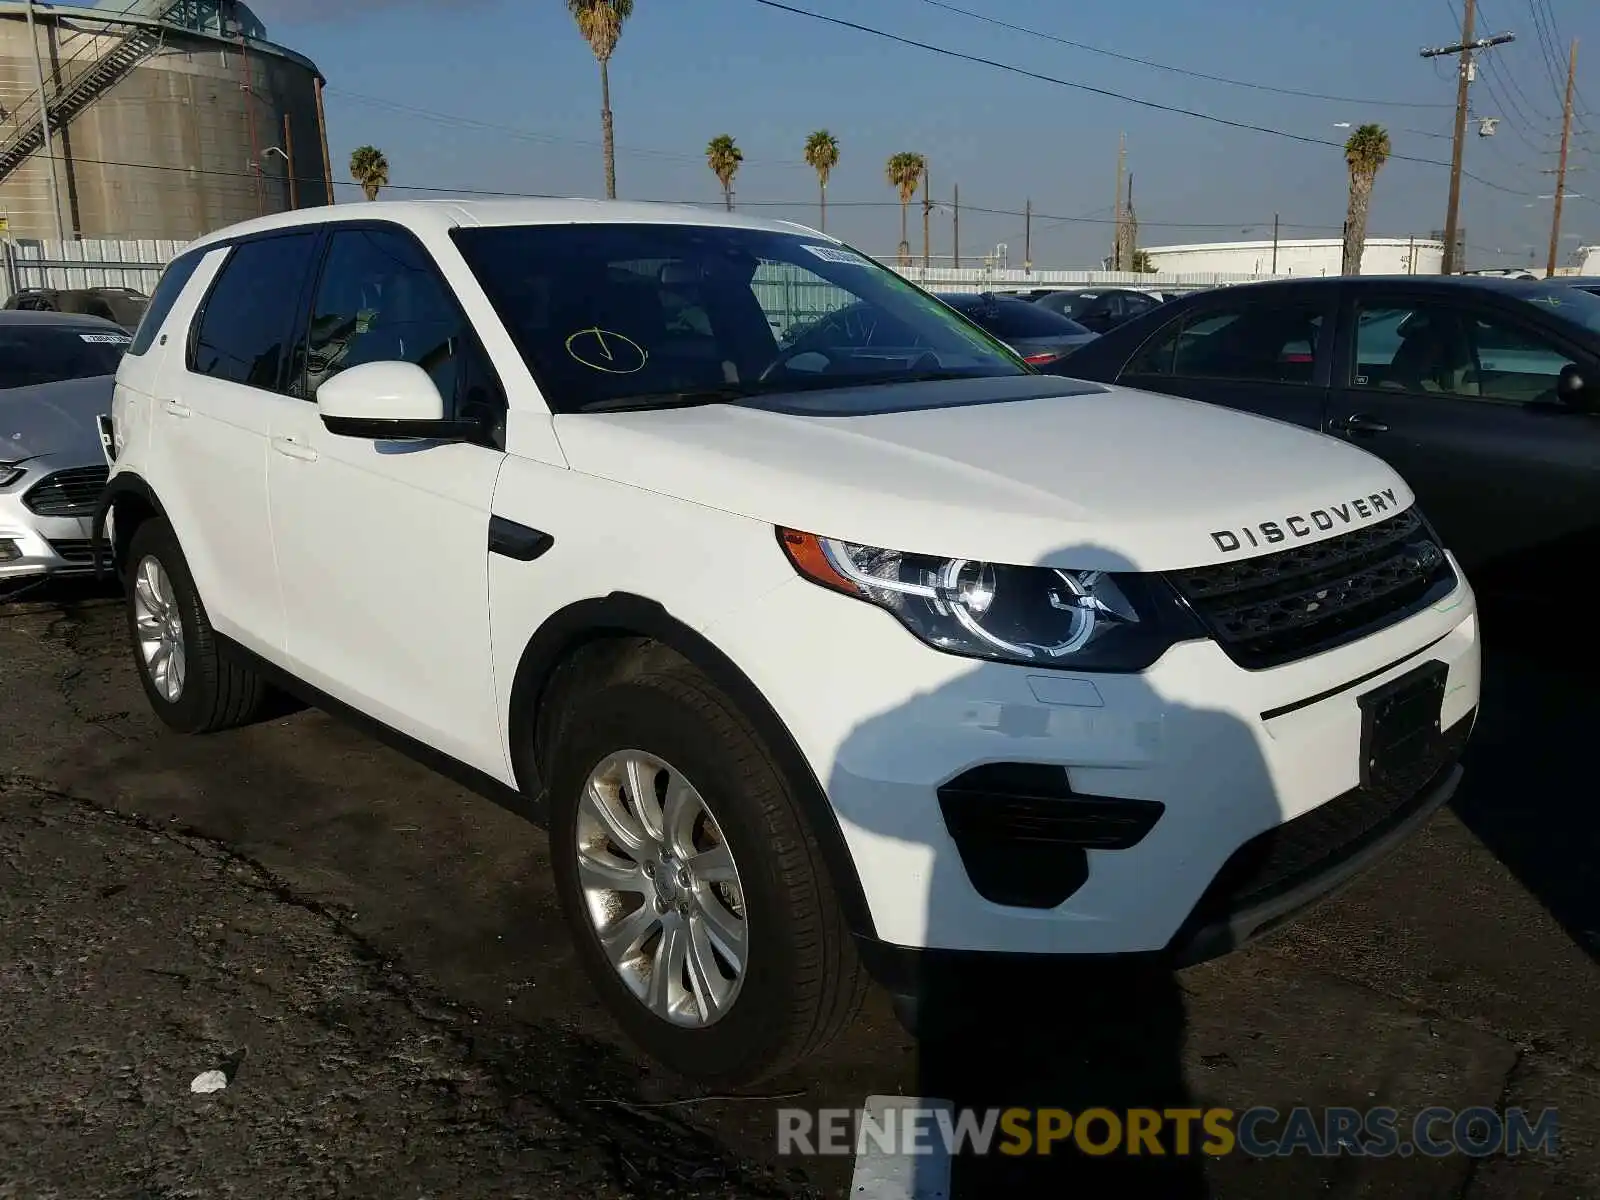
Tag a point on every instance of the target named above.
point(1073, 475)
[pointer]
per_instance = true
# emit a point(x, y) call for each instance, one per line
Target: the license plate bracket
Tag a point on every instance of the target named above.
point(1401, 723)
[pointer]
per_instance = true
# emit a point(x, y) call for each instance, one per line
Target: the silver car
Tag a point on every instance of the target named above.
point(57, 372)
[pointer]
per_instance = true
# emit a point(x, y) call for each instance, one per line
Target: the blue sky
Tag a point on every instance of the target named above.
point(511, 97)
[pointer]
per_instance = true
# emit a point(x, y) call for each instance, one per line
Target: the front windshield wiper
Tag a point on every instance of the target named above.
point(734, 393)
point(652, 400)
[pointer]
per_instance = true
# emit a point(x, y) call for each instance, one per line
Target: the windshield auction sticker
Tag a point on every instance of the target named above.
point(834, 254)
point(106, 339)
point(608, 351)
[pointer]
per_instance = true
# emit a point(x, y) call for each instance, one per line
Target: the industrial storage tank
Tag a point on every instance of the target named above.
point(167, 120)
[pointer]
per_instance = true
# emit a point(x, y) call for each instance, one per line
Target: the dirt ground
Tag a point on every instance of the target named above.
point(375, 960)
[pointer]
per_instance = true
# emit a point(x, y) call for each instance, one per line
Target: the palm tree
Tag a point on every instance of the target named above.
point(370, 169)
point(724, 157)
point(600, 22)
point(905, 171)
point(1365, 153)
point(822, 154)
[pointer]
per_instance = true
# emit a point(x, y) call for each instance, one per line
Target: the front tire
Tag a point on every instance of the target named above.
point(695, 890)
point(191, 685)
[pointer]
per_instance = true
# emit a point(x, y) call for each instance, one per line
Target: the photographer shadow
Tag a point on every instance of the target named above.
point(1058, 1030)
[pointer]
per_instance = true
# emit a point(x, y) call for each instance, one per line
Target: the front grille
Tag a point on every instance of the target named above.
point(1279, 607)
point(1316, 842)
point(78, 551)
point(70, 493)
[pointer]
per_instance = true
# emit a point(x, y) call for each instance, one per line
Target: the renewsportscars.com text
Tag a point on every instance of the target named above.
point(1260, 1132)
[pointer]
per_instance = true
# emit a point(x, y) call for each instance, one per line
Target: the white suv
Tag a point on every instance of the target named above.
point(828, 638)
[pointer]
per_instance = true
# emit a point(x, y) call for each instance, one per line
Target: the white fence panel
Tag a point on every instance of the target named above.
point(88, 263)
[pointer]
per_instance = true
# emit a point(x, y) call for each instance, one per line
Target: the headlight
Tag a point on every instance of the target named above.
point(1080, 620)
point(9, 474)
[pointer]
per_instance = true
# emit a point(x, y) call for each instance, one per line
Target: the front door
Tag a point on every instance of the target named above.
point(383, 545)
point(1460, 397)
point(1266, 356)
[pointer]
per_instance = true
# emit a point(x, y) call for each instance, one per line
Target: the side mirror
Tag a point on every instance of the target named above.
point(1572, 388)
point(386, 401)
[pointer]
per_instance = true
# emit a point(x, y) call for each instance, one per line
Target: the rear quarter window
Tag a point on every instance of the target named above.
point(173, 280)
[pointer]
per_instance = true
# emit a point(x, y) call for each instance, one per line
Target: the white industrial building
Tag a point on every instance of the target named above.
point(1298, 256)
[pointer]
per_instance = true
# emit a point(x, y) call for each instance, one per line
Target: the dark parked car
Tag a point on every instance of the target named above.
point(1483, 393)
point(1043, 338)
point(120, 305)
point(1099, 309)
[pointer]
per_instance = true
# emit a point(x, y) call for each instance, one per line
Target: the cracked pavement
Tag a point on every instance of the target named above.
point(377, 960)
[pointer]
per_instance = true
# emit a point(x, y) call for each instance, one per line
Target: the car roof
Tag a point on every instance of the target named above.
point(1494, 283)
point(440, 216)
point(28, 316)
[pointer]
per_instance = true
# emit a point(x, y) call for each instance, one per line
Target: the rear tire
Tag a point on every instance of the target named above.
point(800, 982)
point(191, 685)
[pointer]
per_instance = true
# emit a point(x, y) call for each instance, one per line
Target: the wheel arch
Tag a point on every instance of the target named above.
point(133, 501)
point(625, 616)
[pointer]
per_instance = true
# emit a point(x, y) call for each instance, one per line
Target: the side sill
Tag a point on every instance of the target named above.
point(483, 784)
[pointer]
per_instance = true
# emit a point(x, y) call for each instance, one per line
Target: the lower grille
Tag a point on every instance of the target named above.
point(78, 551)
point(1024, 835)
point(1282, 858)
point(1276, 608)
point(70, 493)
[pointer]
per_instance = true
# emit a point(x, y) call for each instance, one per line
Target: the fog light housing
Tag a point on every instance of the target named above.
point(9, 550)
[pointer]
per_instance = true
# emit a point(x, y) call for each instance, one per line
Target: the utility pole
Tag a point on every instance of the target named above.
point(1464, 48)
point(1274, 243)
point(1561, 171)
point(288, 157)
point(322, 132)
point(44, 124)
point(1027, 236)
point(1116, 229)
point(955, 241)
point(927, 215)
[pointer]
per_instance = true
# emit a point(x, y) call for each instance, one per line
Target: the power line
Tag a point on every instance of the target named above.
point(798, 202)
point(1304, 139)
point(1146, 62)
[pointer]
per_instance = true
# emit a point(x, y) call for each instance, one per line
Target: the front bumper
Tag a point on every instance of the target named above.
point(33, 547)
point(1244, 764)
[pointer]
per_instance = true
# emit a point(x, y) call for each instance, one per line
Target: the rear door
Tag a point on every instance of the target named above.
point(216, 395)
point(1268, 355)
point(1458, 393)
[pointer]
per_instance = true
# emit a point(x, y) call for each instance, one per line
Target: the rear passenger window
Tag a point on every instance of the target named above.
point(173, 280)
point(1258, 342)
point(248, 317)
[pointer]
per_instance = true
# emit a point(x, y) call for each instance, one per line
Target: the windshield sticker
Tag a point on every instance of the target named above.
point(604, 350)
point(106, 339)
point(834, 254)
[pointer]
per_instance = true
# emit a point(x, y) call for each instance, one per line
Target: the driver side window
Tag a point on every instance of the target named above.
point(1439, 349)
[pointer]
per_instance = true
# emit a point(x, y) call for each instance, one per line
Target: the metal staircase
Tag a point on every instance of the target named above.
point(23, 134)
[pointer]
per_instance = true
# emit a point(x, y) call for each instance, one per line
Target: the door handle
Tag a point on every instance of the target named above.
point(1359, 423)
point(294, 448)
point(178, 410)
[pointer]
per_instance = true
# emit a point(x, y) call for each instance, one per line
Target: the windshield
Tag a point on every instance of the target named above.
point(32, 354)
point(1575, 304)
point(611, 316)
